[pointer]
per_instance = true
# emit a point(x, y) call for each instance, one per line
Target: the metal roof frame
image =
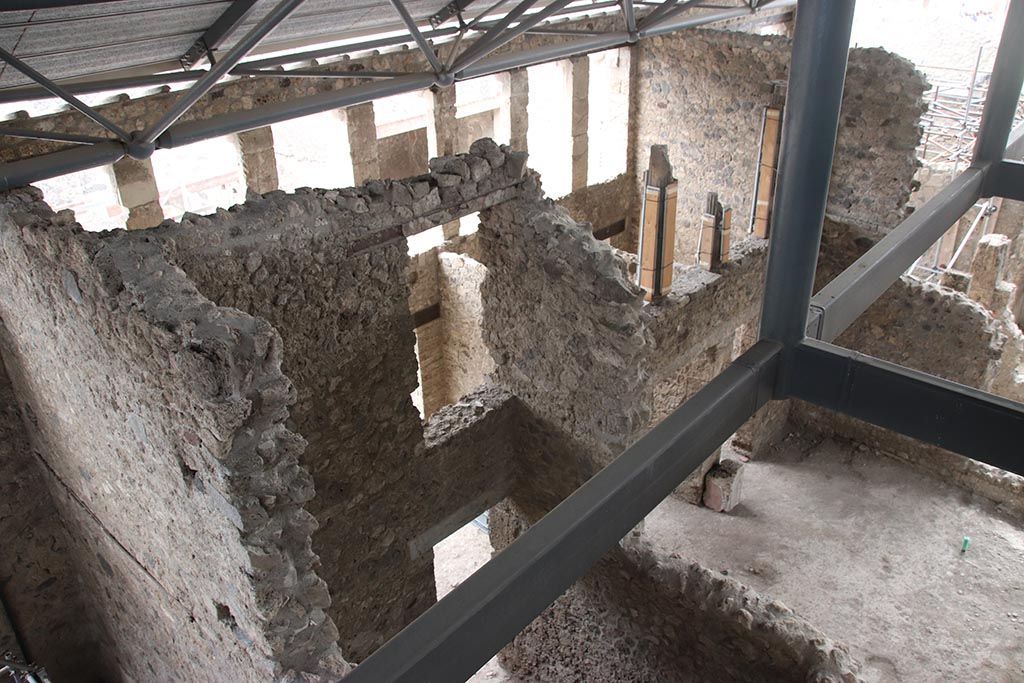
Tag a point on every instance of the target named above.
point(455, 637)
point(476, 59)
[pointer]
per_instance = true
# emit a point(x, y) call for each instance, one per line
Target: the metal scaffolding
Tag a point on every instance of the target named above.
point(480, 57)
point(792, 359)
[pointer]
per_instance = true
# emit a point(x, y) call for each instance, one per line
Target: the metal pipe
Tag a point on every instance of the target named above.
point(693, 22)
point(1003, 89)
point(47, 135)
point(188, 132)
point(462, 631)
point(982, 213)
point(63, 94)
point(483, 45)
point(840, 302)
point(340, 50)
point(27, 171)
point(314, 73)
point(809, 126)
point(267, 24)
point(414, 30)
point(546, 53)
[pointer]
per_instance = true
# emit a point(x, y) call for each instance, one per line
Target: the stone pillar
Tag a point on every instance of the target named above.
point(519, 99)
point(987, 268)
point(362, 143)
point(258, 160)
point(446, 129)
point(136, 186)
point(580, 119)
point(446, 126)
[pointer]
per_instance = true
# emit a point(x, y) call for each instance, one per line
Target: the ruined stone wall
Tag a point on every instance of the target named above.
point(329, 269)
point(649, 618)
point(160, 420)
point(703, 92)
point(41, 589)
point(603, 205)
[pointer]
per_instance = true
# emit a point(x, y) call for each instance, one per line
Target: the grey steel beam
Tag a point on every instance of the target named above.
point(483, 44)
point(958, 418)
point(455, 637)
point(836, 306)
point(569, 48)
point(629, 13)
point(267, 24)
point(509, 35)
point(238, 121)
point(27, 171)
point(47, 135)
point(97, 86)
point(810, 123)
point(339, 50)
point(225, 25)
point(1005, 179)
point(60, 92)
point(1003, 90)
point(414, 31)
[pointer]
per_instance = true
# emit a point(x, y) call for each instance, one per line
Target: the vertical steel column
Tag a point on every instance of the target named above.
point(810, 122)
point(1003, 90)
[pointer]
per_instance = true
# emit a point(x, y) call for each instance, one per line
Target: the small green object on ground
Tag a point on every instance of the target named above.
point(966, 544)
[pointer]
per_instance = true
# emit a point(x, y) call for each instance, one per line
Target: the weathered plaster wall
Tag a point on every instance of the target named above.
point(160, 419)
point(39, 582)
point(603, 205)
point(702, 92)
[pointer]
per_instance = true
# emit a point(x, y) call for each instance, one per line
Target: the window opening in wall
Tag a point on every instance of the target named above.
point(482, 110)
point(91, 194)
point(425, 241)
point(455, 558)
point(313, 151)
point(607, 128)
point(469, 224)
point(550, 133)
point(402, 113)
point(199, 178)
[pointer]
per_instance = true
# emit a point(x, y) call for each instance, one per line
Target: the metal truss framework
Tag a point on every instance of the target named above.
point(792, 359)
point(477, 59)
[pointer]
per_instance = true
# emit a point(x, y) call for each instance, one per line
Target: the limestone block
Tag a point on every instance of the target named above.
point(723, 486)
point(987, 267)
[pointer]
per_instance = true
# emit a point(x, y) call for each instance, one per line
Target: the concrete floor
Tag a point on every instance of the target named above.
point(868, 550)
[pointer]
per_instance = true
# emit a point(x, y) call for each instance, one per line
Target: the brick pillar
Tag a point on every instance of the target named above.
point(580, 119)
point(258, 160)
point(136, 186)
point(362, 142)
point(987, 268)
point(519, 99)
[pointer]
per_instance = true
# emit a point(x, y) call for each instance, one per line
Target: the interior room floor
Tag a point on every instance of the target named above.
point(869, 551)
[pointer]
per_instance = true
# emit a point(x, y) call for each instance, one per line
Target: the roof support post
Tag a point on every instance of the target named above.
point(810, 123)
point(414, 30)
point(231, 59)
point(64, 94)
point(1004, 89)
point(629, 12)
